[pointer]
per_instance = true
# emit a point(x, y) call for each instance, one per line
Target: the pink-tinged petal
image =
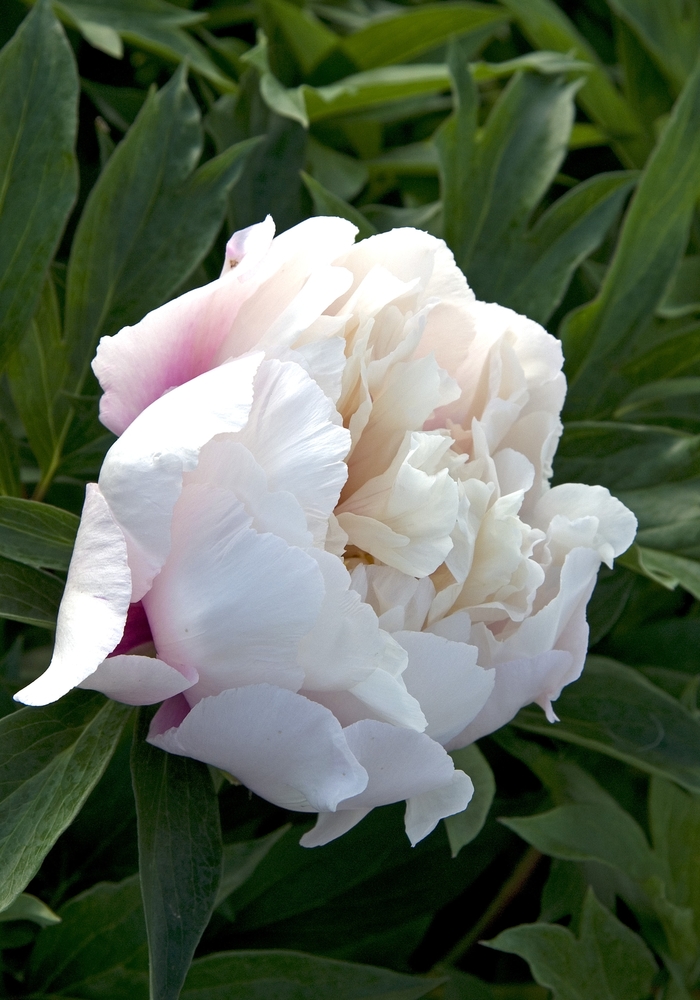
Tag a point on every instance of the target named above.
point(445, 678)
point(137, 631)
point(248, 247)
point(179, 340)
point(424, 812)
point(139, 680)
point(94, 606)
point(170, 714)
point(518, 683)
point(330, 826)
point(294, 433)
point(285, 748)
point(230, 602)
point(400, 763)
point(141, 476)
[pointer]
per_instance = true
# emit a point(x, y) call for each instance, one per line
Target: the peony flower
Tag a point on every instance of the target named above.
point(325, 538)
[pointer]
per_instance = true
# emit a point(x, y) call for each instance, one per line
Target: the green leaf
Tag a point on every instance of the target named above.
point(651, 243)
point(148, 222)
point(309, 40)
point(250, 975)
point(674, 818)
point(180, 857)
point(38, 372)
point(98, 949)
point(50, 760)
point(465, 826)
point(241, 858)
point(36, 534)
point(343, 175)
point(494, 179)
point(578, 832)
point(671, 33)
point(152, 25)
point(682, 296)
point(38, 172)
point(665, 568)
point(28, 595)
point(28, 907)
point(546, 25)
point(10, 485)
point(400, 39)
point(614, 710)
point(327, 203)
point(608, 961)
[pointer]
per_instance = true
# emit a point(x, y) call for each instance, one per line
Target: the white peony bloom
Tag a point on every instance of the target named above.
point(325, 538)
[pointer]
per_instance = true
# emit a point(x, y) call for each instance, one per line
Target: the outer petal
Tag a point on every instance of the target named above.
point(586, 515)
point(330, 826)
point(94, 606)
point(424, 812)
point(230, 602)
point(518, 683)
point(138, 680)
point(446, 680)
point(178, 341)
point(400, 763)
point(285, 748)
point(294, 433)
point(141, 477)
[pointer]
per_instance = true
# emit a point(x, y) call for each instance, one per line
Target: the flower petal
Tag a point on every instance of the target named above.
point(285, 748)
point(94, 606)
point(424, 812)
point(141, 476)
point(447, 682)
point(138, 680)
point(574, 514)
point(231, 602)
point(400, 763)
point(295, 434)
point(330, 826)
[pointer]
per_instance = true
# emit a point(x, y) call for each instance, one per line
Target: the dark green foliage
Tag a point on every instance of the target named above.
point(555, 146)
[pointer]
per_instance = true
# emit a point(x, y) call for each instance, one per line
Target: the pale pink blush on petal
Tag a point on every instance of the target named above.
point(169, 716)
point(137, 631)
point(139, 680)
point(94, 606)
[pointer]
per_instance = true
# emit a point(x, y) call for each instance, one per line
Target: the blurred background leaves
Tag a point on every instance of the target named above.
point(556, 148)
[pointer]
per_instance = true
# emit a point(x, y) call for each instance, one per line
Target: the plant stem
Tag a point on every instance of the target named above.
point(509, 890)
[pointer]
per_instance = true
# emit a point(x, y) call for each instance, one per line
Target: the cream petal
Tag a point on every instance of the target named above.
point(400, 763)
point(247, 247)
point(447, 682)
point(295, 436)
point(285, 748)
point(94, 607)
point(230, 602)
point(141, 477)
point(586, 515)
point(388, 699)
point(139, 680)
point(424, 812)
point(346, 645)
point(330, 826)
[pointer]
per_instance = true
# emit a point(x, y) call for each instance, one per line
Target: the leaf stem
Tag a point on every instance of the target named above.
point(509, 890)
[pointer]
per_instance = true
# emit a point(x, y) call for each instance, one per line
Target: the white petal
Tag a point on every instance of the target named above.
point(247, 247)
point(518, 683)
point(94, 606)
point(285, 748)
point(139, 680)
point(400, 763)
point(141, 476)
point(388, 698)
point(424, 812)
point(231, 602)
point(294, 434)
point(330, 826)
point(446, 680)
point(322, 287)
